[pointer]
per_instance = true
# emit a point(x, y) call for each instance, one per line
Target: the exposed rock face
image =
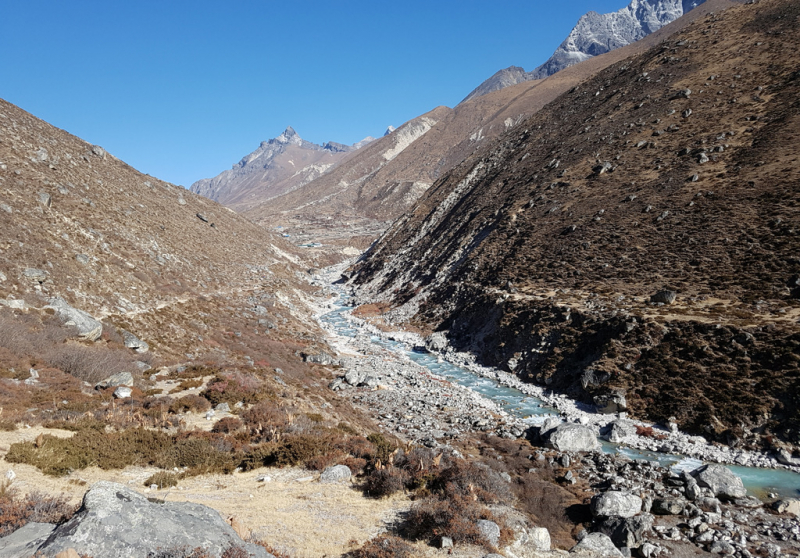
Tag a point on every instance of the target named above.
point(595, 34)
point(572, 437)
point(278, 166)
point(721, 481)
point(616, 504)
point(133, 342)
point(596, 545)
point(116, 521)
point(88, 328)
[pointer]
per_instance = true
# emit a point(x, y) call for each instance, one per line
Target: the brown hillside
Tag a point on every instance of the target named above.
point(676, 169)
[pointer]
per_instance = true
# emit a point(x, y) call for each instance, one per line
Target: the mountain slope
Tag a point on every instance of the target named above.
point(354, 203)
point(595, 34)
point(278, 166)
point(126, 247)
point(674, 170)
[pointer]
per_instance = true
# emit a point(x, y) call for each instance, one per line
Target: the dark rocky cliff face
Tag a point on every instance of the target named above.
point(675, 170)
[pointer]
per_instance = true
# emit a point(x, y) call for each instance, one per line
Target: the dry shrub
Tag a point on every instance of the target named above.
point(355, 464)
point(258, 456)
point(235, 386)
point(383, 547)
point(360, 447)
point(16, 510)
point(298, 449)
point(455, 517)
point(7, 425)
point(116, 450)
point(648, 432)
point(187, 384)
point(162, 479)
point(190, 402)
point(473, 480)
point(385, 482)
point(383, 447)
point(227, 425)
point(88, 362)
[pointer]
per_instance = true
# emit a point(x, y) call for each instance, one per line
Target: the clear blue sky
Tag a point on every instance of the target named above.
point(182, 90)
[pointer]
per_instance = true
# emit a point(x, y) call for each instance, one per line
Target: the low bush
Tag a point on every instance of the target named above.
point(190, 402)
point(232, 387)
point(383, 547)
point(455, 517)
point(16, 510)
point(162, 479)
point(297, 450)
point(385, 482)
point(227, 425)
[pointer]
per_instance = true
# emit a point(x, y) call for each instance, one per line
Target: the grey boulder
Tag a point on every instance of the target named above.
point(23, 542)
point(489, 530)
point(336, 473)
point(618, 430)
point(88, 328)
point(133, 342)
point(117, 521)
point(721, 481)
point(573, 437)
point(596, 545)
point(627, 531)
point(616, 503)
point(119, 379)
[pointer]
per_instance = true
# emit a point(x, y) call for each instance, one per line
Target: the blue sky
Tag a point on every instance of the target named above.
point(182, 90)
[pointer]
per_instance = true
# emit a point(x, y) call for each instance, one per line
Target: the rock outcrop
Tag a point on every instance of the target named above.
point(117, 521)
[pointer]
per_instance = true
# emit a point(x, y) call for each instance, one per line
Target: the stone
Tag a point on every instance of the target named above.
point(539, 538)
point(45, 199)
point(117, 521)
point(616, 431)
point(202, 217)
point(99, 151)
point(336, 473)
point(667, 506)
point(35, 274)
point(721, 481)
point(181, 201)
point(627, 531)
point(133, 342)
point(611, 403)
point(119, 379)
point(664, 297)
point(122, 392)
point(616, 503)
point(23, 542)
point(436, 341)
point(596, 545)
point(489, 530)
point(16, 303)
point(10, 475)
point(573, 437)
point(7, 208)
point(321, 358)
point(88, 328)
point(223, 408)
point(722, 547)
point(353, 377)
point(789, 505)
point(446, 542)
point(82, 259)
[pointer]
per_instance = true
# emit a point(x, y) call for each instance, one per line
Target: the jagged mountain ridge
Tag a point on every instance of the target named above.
point(371, 190)
point(277, 166)
point(595, 34)
point(673, 170)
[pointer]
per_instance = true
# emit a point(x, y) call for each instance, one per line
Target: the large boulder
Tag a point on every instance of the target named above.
point(489, 530)
point(133, 342)
point(721, 481)
point(118, 379)
point(23, 542)
point(88, 328)
point(618, 430)
point(596, 545)
point(627, 531)
point(573, 437)
point(611, 403)
point(117, 521)
point(616, 503)
point(336, 473)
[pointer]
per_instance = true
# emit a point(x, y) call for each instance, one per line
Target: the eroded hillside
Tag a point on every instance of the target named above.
point(675, 170)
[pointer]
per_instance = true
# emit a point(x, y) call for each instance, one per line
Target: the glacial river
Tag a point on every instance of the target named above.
point(758, 481)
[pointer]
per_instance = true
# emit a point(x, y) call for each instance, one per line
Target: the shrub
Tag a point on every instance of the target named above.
point(298, 449)
point(232, 387)
point(383, 447)
point(162, 479)
point(385, 482)
point(455, 517)
point(258, 456)
point(16, 511)
point(190, 403)
point(383, 547)
point(227, 425)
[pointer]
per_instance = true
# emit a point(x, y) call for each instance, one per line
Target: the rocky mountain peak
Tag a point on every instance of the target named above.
point(389, 130)
point(289, 136)
point(595, 34)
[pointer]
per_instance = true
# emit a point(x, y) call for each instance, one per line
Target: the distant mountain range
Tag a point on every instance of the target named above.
point(278, 166)
point(595, 34)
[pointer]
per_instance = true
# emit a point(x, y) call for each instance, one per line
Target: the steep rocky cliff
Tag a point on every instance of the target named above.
point(672, 172)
